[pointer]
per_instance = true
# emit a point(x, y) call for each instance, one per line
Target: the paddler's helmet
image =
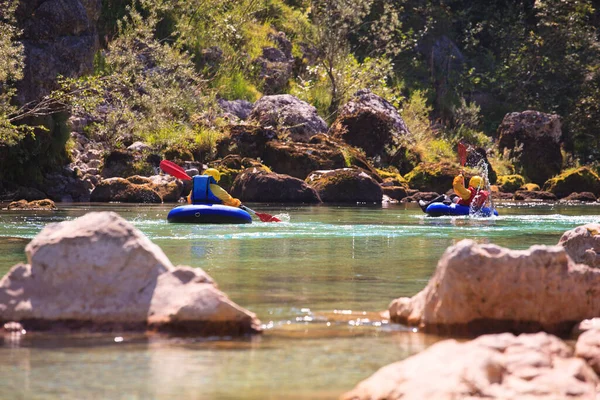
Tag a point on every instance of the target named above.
point(476, 182)
point(213, 172)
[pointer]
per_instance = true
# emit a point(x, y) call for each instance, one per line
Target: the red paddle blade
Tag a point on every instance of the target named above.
point(267, 217)
point(173, 169)
point(462, 153)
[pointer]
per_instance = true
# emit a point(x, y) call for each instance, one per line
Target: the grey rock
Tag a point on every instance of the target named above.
point(290, 114)
point(371, 123)
point(239, 108)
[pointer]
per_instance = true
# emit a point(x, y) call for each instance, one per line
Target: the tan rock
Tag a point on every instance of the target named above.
point(583, 244)
point(586, 325)
point(487, 288)
point(502, 366)
point(41, 205)
point(588, 348)
point(122, 190)
point(99, 270)
point(168, 188)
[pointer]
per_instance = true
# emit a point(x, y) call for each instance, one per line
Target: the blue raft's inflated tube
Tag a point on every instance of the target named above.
point(208, 214)
point(440, 209)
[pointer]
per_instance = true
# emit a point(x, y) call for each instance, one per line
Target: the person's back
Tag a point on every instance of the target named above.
point(205, 190)
point(474, 194)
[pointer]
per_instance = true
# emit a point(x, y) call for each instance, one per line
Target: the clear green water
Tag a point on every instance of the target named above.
point(316, 282)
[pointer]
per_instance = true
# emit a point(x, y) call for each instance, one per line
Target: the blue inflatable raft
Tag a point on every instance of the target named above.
point(208, 214)
point(440, 209)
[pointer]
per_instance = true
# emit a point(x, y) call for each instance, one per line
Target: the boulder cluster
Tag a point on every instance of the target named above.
point(490, 290)
point(280, 150)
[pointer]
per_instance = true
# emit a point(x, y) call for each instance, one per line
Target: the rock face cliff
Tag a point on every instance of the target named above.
point(60, 38)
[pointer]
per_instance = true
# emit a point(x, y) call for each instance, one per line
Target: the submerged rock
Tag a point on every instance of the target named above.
point(100, 272)
point(503, 366)
point(583, 244)
point(482, 288)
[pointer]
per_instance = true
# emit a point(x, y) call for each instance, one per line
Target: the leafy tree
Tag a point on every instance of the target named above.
point(333, 21)
point(144, 88)
point(11, 70)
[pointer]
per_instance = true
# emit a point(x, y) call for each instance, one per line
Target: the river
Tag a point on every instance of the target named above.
point(317, 281)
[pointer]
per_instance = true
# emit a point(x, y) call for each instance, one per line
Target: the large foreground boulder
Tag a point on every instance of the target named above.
point(482, 288)
point(583, 244)
point(256, 184)
point(290, 114)
point(371, 123)
point(501, 366)
point(346, 185)
point(532, 139)
point(99, 271)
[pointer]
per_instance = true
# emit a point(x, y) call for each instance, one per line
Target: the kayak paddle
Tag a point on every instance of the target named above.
point(264, 217)
point(173, 169)
point(462, 153)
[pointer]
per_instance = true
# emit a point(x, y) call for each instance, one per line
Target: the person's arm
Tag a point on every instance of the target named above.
point(224, 196)
point(459, 188)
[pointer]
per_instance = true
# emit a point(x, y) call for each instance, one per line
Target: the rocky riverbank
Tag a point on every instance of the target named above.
point(297, 158)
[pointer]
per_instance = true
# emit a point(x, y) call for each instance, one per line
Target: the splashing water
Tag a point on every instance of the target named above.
point(482, 170)
point(284, 217)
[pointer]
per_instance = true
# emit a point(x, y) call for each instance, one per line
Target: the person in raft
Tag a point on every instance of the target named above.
point(206, 191)
point(472, 196)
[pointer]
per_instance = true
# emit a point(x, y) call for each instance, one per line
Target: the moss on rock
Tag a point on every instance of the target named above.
point(582, 179)
point(531, 187)
point(510, 183)
point(432, 177)
point(392, 175)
